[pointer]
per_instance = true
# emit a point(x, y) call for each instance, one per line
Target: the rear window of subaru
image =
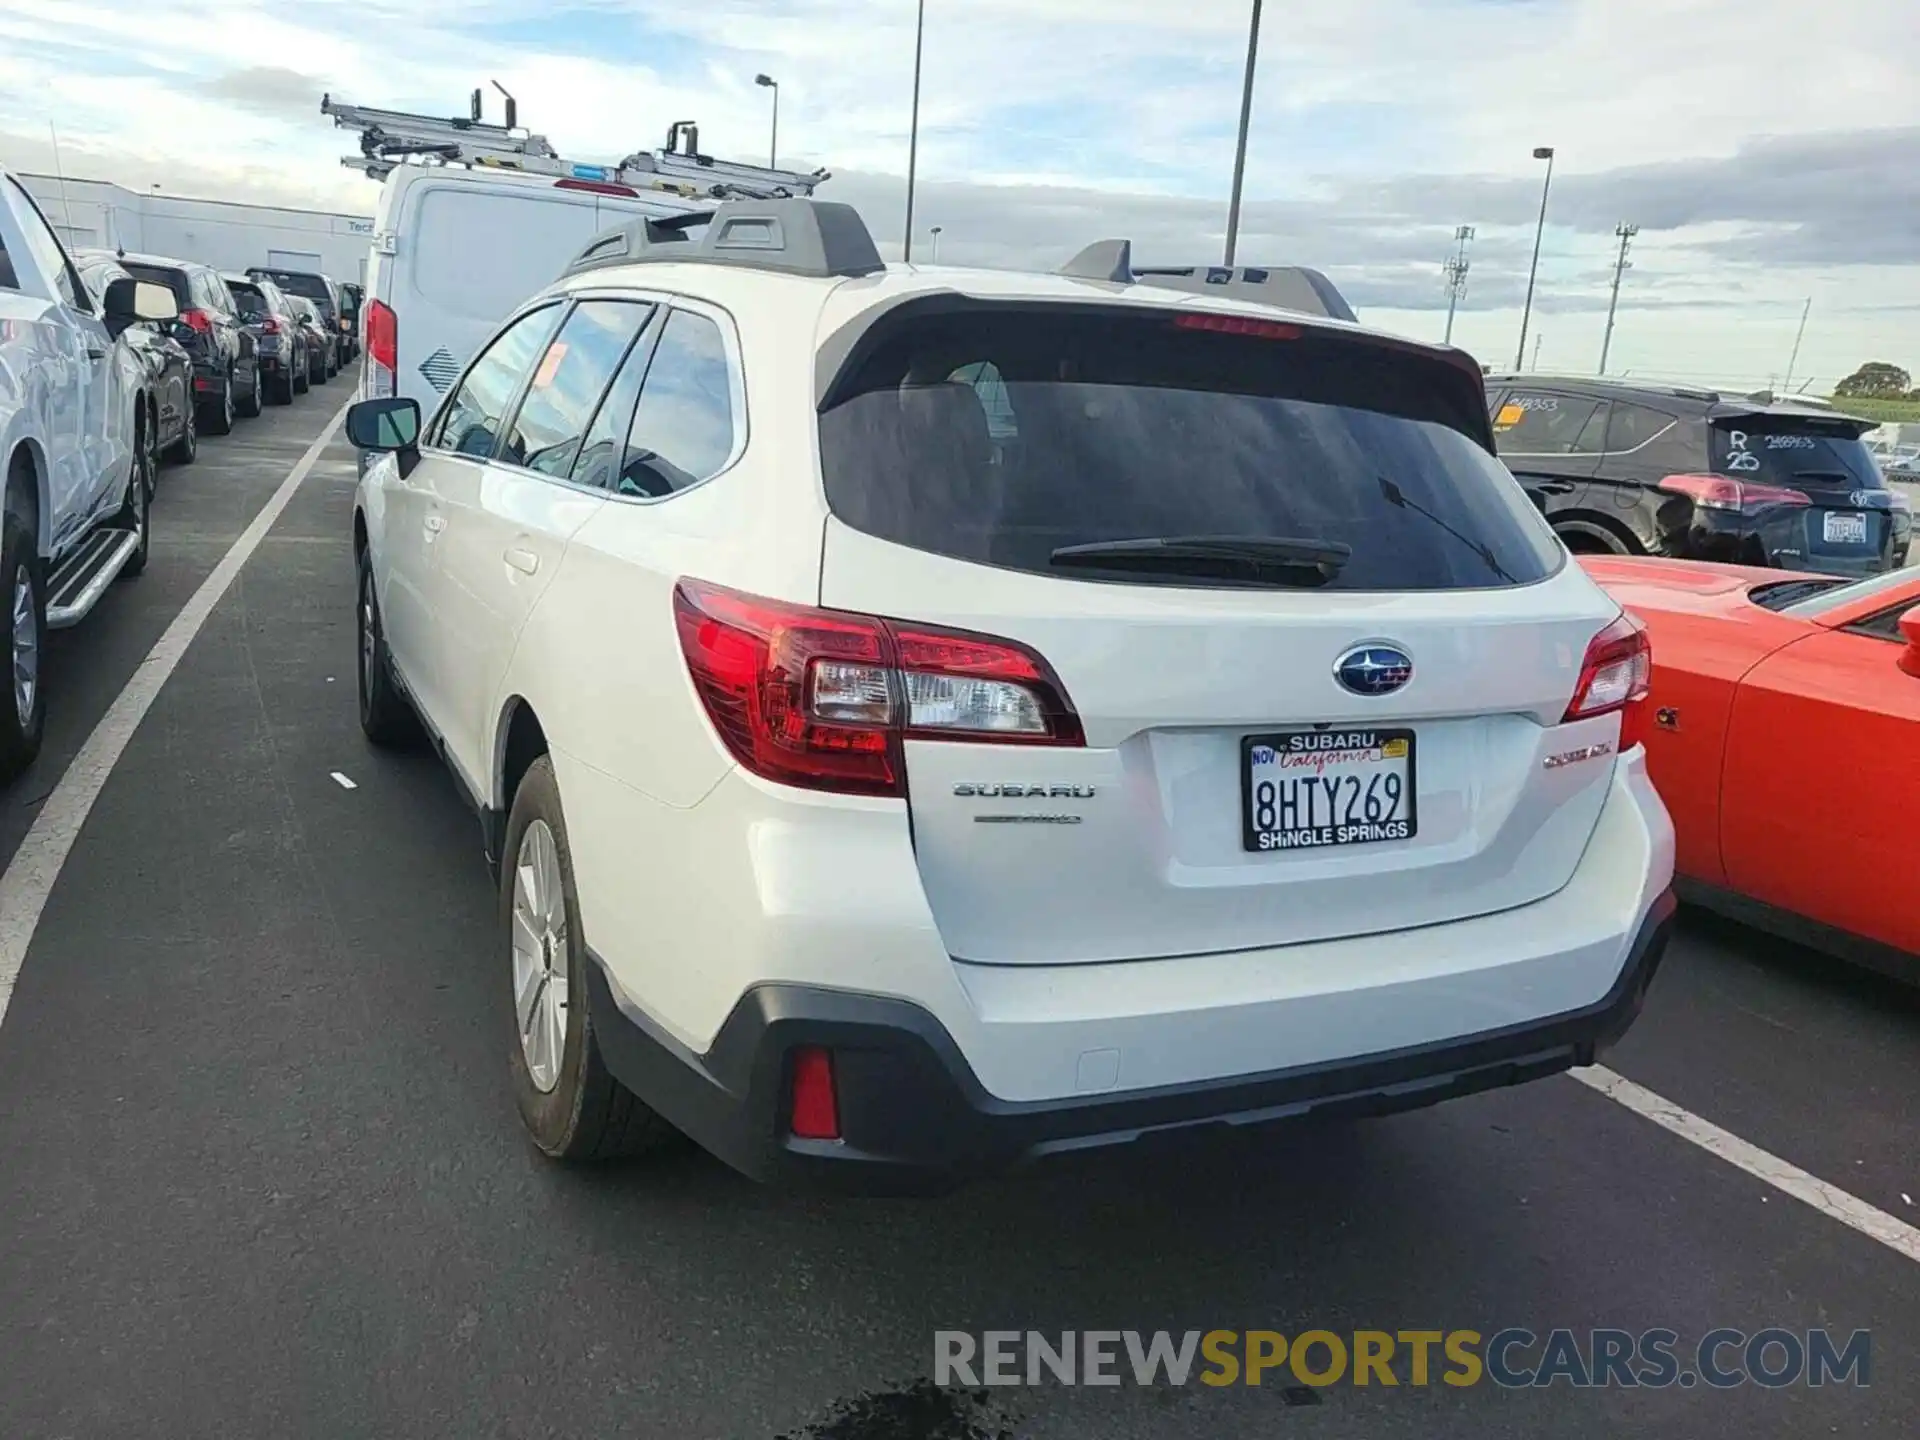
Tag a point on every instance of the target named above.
point(1004, 435)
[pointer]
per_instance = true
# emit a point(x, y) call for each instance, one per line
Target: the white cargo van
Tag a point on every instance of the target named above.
point(454, 250)
point(475, 217)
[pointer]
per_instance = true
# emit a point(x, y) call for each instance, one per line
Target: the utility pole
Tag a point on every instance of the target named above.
point(1787, 384)
point(1456, 270)
point(1539, 339)
point(913, 134)
point(1240, 150)
point(1626, 233)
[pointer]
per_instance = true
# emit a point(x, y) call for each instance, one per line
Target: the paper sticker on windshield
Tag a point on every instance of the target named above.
point(1510, 415)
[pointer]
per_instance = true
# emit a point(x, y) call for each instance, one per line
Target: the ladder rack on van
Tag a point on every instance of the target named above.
point(390, 138)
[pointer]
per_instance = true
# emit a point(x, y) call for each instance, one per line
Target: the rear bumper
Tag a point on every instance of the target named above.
point(1781, 541)
point(914, 1117)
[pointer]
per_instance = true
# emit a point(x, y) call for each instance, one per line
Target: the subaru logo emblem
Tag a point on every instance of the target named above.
point(1373, 669)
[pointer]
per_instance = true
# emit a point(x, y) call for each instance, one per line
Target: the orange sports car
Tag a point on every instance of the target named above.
point(1785, 738)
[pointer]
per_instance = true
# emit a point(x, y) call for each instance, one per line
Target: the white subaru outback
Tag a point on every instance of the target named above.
point(925, 719)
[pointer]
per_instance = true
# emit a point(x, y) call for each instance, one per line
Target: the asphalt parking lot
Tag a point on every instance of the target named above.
point(260, 1174)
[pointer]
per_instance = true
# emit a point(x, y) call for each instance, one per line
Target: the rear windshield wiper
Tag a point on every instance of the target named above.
point(1395, 496)
point(1275, 558)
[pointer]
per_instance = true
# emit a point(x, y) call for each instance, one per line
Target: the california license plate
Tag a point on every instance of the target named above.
point(1303, 789)
point(1841, 529)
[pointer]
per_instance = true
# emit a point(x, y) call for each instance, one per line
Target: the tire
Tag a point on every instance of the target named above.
point(23, 641)
point(188, 445)
point(220, 418)
point(134, 512)
point(386, 719)
point(301, 380)
point(570, 1103)
point(251, 410)
point(280, 392)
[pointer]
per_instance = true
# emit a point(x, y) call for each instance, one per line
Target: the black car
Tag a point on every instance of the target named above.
point(325, 295)
point(277, 333)
point(226, 365)
point(320, 340)
point(169, 368)
point(351, 296)
point(1641, 469)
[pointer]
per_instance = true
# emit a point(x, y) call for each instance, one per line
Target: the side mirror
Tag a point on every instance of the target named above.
point(128, 300)
point(1910, 627)
point(387, 425)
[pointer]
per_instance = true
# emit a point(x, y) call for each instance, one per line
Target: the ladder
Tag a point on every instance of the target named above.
point(391, 138)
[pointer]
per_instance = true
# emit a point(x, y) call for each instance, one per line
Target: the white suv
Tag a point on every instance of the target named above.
point(926, 719)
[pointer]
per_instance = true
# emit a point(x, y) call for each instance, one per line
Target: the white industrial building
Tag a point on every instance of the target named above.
point(92, 214)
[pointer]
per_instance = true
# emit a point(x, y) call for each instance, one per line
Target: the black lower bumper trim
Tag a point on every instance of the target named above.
point(915, 1118)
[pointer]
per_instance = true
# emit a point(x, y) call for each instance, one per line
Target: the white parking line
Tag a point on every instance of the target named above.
point(342, 781)
point(30, 875)
point(1829, 1200)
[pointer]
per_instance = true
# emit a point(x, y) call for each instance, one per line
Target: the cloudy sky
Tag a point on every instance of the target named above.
point(1769, 150)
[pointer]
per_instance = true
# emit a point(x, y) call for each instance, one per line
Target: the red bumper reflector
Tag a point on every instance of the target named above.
point(816, 1111)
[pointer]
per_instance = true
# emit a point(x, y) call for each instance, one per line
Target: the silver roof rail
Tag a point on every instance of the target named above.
point(1289, 287)
point(821, 238)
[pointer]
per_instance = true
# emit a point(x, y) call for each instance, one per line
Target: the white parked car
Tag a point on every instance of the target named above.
point(77, 440)
point(883, 796)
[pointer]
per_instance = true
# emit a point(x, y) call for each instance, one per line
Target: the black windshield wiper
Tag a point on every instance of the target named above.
point(1395, 496)
point(1271, 558)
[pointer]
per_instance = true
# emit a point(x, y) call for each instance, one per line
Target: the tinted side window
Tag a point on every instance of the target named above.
point(1632, 426)
point(605, 447)
point(683, 430)
point(8, 280)
point(568, 383)
point(470, 423)
point(1540, 422)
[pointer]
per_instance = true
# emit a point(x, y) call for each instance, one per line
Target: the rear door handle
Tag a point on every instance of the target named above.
point(525, 561)
point(93, 354)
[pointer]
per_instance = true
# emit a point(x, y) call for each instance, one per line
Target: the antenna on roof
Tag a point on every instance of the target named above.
point(1110, 261)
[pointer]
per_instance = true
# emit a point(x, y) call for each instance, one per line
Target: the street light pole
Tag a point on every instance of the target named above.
point(913, 132)
point(936, 244)
point(773, 145)
point(1240, 149)
point(1626, 233)
point(1541, 152)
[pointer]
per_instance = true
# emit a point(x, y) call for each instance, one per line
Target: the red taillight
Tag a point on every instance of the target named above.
point(1719, 492)
point(198, 321)
point(598, 187)
point(382, 348)
point(815, 1111)
point(1616, 675)
point(824, 699)
point(1237, 325)
point(269, 326)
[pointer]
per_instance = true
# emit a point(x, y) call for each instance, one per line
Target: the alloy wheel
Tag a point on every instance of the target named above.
point(25, 646)
point(540, 956)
